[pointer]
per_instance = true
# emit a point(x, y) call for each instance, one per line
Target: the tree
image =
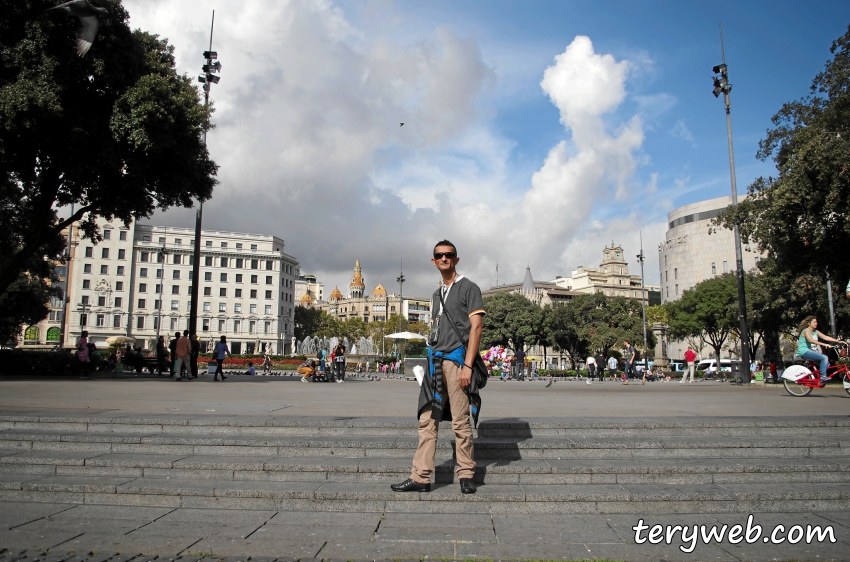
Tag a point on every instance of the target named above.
point(511, 320)
point(799, 218)
point(707, 311)
point(118, 132)
point(656, 313)
point(563, 323)
point(25, 300)
point(314, 322)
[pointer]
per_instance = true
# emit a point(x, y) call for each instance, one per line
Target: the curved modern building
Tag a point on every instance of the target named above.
point(689, 254)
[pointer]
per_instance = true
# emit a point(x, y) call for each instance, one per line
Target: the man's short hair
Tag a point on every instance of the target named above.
point(185, 332)
point(445, 243)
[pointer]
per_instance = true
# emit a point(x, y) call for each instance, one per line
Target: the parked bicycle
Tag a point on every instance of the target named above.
point(800, 380)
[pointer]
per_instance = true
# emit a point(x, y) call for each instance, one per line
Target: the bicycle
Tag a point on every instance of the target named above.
point(800, 380)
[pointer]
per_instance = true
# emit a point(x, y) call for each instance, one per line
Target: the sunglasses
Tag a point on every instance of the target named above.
point(441, 255)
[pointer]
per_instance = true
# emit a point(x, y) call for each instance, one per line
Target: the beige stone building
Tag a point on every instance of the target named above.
point(375, 306)
point(612, 278)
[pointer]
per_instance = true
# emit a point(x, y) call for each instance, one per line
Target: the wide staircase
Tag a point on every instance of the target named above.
point(681, 465)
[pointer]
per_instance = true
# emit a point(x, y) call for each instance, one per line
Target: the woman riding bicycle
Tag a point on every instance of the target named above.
point(809, 341)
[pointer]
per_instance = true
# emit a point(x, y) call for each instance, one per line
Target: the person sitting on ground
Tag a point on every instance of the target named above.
point(251, 371)
point(307, 369)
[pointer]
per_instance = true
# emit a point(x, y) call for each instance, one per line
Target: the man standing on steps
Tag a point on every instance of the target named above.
point(457, 312)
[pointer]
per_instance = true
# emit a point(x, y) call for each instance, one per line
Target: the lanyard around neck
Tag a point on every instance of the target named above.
point(445, 292)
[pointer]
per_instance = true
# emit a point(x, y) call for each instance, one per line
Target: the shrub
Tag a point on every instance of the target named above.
point(37, 363)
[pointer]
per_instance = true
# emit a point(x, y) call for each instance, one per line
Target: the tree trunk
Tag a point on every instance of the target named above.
point(772, 350)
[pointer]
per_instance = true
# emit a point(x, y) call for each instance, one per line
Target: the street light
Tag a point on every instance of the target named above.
point(207, 79)
point(162, 253)
point(722, 85)
point(640, 258)
point(401, 281)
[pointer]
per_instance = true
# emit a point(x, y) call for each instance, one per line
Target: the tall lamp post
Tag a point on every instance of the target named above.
point(65, 297)
point(210, 68)
point(640, 258)
point(722, 86)
point(162, 253)
point(401, 281)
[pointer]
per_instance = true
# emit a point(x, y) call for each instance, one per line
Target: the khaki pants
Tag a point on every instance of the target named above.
point(305, 372)
point(423, 460)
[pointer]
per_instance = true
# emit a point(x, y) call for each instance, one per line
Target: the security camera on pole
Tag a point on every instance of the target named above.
point(722, 85)
point(210, 68)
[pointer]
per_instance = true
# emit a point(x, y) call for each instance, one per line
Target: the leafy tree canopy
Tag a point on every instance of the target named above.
point(511, 320)
point(707, 311)
point(118, 132)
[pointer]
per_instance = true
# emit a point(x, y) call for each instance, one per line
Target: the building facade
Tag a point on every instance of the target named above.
point(611, 278)
point(370, 307)
point(49, 331)
point(308, 290)
point(689, 254)
point(540, 293)
point(137, 282)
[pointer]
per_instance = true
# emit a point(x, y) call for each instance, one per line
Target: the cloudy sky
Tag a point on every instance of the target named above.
point(534, 133)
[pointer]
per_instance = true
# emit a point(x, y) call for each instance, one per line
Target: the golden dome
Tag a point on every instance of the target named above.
point(336, 294)
point(306, 299)
point(379, 291)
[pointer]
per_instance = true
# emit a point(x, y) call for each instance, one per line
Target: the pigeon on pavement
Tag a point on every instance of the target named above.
point(87, 13)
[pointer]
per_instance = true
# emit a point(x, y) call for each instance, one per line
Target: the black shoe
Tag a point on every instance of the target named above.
point(466, 486)
point(410, 485)
point(223, 378)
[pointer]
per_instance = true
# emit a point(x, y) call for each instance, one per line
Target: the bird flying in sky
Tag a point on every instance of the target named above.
point(87, 13)
point(401, 124)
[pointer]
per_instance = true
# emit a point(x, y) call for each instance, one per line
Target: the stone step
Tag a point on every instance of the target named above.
point(500, 471)
point(580, 428)
point(403, 447)
point(377, 496)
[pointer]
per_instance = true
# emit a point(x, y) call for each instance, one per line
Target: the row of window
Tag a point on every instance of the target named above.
point(141, 321)
point(188, 259)
point(104, 253)
point(222, 291)
point(107, 234)
point(208, 244)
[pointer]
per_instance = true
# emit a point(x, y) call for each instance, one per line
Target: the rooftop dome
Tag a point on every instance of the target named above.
point(379, 291)
point(336, 294)
point(306, 299)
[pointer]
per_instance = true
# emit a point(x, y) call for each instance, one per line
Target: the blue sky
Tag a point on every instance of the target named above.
point(312, 92)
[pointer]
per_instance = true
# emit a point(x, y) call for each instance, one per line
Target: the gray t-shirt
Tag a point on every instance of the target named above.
point(462, 301)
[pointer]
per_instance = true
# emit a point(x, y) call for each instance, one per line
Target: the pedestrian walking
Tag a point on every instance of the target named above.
point(591, 368)
point(182, 352)
point(267, 364)
point(339, 362)
point(219, 353)
point(612, 367)
point(193, 356)
point(518, 363)
point(629, 355)
point(172, 349)
point(690, 357)
point(83, 356)
point(448, 389)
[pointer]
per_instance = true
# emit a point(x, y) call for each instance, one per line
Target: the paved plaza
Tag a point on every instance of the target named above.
point(267, 467)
